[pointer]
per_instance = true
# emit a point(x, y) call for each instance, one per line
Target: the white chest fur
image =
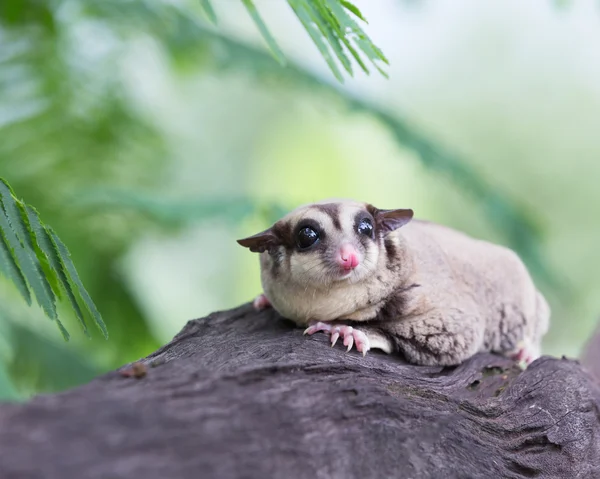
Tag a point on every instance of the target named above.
point(305, 304)
point(342, 300)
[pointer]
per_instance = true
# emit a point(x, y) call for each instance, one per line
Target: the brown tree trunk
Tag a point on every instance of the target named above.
point(241, 394)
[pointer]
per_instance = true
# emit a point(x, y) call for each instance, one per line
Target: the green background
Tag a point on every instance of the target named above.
point(150, 140)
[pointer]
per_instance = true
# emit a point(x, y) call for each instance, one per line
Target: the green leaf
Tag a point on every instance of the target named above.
point(362, 40)
point(49, 249)
point(341, 35)
point(65, 258)
point(330, 26)
point(310, 27)
point(32, 256)
point(63, 331)
point(357, 57)
point(324, 21)
point(24, 254)
point(39, 260)
point(371, 50)
point(9, 268)
point(354, 9)
point(208, 10)
point(13, 213)
point(264, 31)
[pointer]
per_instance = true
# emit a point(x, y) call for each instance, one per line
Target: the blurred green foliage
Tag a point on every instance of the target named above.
point(149, 139)
point(35, 259)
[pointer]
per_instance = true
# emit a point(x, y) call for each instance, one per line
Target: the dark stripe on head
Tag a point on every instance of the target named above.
point(333, 211)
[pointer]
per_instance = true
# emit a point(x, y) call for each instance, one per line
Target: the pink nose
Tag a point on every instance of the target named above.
point(348, 257)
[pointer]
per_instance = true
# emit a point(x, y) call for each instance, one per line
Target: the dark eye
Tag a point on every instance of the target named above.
point(365, 227)
point(307, 237)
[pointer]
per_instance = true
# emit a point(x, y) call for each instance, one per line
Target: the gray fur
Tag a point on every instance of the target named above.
point(429, 292)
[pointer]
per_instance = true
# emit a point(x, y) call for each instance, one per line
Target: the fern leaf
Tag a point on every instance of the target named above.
point(354, 9)
point(13, 213)
point(63, 331)
point(362, 40)
point(264, 31)
point(50, 250)
point(65, 258)
point(9, 268)
point(356, 56)
point(314, 33)
point(38, 259)
point(330, 29)
point(27, 246)
point(329, 25)
point(340, 34)
point(11, 224)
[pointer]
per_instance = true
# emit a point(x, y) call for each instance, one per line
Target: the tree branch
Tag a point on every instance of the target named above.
point(241, 394)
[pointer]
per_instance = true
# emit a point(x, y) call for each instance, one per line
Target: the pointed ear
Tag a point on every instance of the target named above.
point(390, 220)
point(260, 242)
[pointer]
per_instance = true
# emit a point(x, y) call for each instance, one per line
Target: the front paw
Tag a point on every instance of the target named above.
point(350, 335)
point(261, 302)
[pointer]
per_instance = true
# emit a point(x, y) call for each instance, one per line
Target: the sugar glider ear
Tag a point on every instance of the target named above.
point(260, 242)
point(390, 220)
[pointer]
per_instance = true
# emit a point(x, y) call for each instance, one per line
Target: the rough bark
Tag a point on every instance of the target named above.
point(245, 395)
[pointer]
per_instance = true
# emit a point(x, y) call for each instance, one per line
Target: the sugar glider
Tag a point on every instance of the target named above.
point(381, 279)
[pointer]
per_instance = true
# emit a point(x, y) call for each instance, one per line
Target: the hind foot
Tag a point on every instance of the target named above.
point(525, 353)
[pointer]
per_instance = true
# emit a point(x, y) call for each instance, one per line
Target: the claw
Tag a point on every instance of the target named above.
point(349, 340)
point(362, 342)
point(351, 337)
point(313, 328)
point(310, 330)
point(335, 336)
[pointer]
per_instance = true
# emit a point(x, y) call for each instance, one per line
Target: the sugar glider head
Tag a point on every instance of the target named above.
point(327, 242)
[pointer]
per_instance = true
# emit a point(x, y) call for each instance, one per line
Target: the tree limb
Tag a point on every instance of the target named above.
point(241, 394)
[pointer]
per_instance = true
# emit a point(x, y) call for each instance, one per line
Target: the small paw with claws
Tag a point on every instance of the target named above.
point(351, 336)
point(261, 302)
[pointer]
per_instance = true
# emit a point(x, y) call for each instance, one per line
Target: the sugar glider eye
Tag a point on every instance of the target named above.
point(365, 227)
point(307, 237)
